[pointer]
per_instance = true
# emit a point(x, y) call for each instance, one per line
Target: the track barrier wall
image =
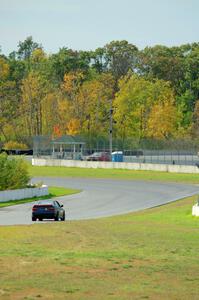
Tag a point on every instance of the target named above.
point(23, 193)
point(116, 165)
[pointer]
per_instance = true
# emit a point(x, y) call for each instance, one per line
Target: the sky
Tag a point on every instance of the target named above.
point(89, 24)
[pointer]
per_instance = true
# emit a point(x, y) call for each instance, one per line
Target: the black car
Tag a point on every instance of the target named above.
point(48, 209)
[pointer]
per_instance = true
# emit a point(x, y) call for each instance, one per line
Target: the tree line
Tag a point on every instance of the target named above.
point(151, 93)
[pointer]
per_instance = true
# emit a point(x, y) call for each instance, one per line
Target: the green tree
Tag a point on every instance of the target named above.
point(98, 61)
point(14, 173)
point(26, 48)
point(120, 57)
point(195, 124)
point(189, 87)
point(162, 62)
point(68, 60)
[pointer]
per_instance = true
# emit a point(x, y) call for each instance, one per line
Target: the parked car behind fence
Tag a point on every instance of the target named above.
point(99, 156)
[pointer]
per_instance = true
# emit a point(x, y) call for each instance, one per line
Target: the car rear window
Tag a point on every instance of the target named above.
point(43, 206)
point(44, 202)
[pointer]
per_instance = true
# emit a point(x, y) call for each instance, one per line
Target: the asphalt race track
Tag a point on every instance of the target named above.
point(102, 198)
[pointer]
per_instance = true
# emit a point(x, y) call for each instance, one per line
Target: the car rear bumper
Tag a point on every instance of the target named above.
point(44, 215)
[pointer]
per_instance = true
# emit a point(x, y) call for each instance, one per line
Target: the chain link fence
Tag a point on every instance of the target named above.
point(179, 152)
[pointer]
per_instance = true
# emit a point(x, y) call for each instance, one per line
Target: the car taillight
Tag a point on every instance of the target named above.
point(43, 207)
point(51, 208)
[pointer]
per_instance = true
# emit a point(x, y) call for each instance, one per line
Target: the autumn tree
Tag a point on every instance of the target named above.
point(70, 92)
point(33, 94)
point(51, 111)
point(140, 104)
point(179, 66)
point(64, 114)
point(85, 105)
point(8, 101)
point(73, 127)
point(162, 123)
point(94, 103)
point(71, 86)
point(4, 69)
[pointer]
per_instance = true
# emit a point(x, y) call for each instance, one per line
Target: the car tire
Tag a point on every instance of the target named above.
point(63, 218)
point(34, 219)
point(57, 217)
point(40, 219)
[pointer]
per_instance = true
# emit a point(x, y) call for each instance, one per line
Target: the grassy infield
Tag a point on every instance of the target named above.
point(151, 254)
point(53, 192)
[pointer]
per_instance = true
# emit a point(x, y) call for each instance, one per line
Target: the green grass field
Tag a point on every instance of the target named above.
point(113, 173)
point(152, 254)
point(53, 192)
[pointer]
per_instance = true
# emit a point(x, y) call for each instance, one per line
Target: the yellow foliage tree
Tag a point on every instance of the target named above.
point(72, 83)
point(33, 94)
point(88, 102)
point(162, 120)
point(8, 101)
point(4, 69)
point(73, 127)
point(94, 104)
point(50, 111)
point(15, 145)
point(38, 56)
point(71, 86)
point(141, 106)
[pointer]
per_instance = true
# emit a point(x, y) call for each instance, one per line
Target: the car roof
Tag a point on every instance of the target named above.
point(100, 153)
point(45, 202)
point(96, 153)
